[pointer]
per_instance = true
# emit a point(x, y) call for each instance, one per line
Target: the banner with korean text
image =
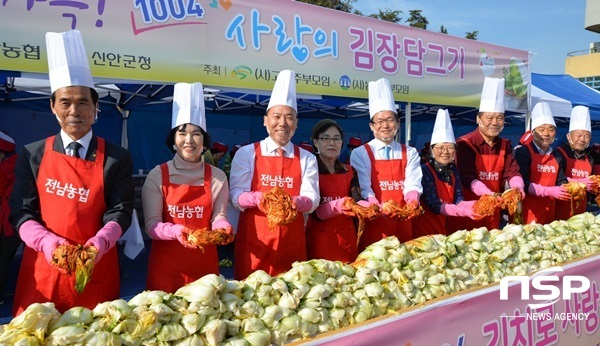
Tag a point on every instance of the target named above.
point(482, 318)
point(244, 43)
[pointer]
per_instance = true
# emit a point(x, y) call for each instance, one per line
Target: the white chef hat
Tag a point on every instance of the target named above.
point(188, 105)
point(380, 97)
point(284, 90)
point(442, 129)
point(492, 95)
point(67, 60)
point(541, 115)
point(580, 119)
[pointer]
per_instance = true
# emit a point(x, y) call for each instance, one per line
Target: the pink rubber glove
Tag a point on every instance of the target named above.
point(557, 192)
point(105, 239)
point(250, 199)
point(516, 182)
point(302, 204)
point(589, 183)
point(479, 188)
point(165, 231)
point(222, 223)
point(40, 239)
point(373, 200)
point(412, 197)
point(365, 204)
point(464, 208)
point(334, 208)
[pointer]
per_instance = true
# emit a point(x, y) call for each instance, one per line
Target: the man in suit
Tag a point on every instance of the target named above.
point(71, 188)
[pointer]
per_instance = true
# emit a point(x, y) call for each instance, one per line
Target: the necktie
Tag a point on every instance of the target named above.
point(280, 152)
point(386, 152)
point(74, 146)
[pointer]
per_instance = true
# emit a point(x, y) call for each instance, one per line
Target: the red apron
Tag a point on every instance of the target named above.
point(490, 170)
point(387, 182)
point(575, 169)
point(430, 222)
point(333, 239)
point(172, 265)
point(544, 171)
point(256, 246)
point(71, 192)
point(7, 173)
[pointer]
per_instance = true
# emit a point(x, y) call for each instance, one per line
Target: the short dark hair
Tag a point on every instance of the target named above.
point(170, 141)
point(95, 96)
point(323, 126)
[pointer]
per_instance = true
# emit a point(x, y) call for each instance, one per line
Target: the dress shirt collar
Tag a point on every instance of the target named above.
point(378, 144)
point(479, 140)
point(84, 141)
point(547, 152)
point(271, 146)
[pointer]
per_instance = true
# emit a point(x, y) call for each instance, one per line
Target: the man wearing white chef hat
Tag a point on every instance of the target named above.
point(386, 169)
point(259, 167)
point(442, 197)
point(185, 183)
point(494, 166)
point(573, 160)
point(539, 168)
point(72, 188)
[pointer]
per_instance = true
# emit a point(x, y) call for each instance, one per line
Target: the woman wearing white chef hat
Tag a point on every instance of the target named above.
point(442, 197)
point(574, 161)
point(540, 170)
point(184, 194)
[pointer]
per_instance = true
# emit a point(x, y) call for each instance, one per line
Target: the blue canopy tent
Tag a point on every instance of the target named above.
point(138, 115)
point(565, 90)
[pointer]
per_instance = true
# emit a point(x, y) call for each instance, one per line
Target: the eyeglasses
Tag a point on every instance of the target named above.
point(380, 122)
point(442, 149)
point(335, 140)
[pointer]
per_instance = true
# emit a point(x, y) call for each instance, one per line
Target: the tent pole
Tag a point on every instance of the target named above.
point(408, 123)
point(529, 87)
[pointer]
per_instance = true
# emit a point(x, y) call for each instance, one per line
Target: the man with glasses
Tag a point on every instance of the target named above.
point(485, 160)
point(386, 169)
point(573, 160)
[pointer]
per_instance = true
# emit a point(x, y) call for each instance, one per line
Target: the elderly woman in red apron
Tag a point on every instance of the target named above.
point(386, 169)
point(540, 170)
point(574, 162)
point(484, 159)
point(330, 231)
point(442, 198)
point(256, 169)
point(184, 192)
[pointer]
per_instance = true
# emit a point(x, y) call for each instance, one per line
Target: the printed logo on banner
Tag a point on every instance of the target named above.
point(345, 82)
point(241, 72)
point(159, 15)
point(544, 281)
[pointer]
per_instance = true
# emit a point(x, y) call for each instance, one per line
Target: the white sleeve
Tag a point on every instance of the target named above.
point(359, 159)
point(413, 173)
point(310, 178)
point(242, 170)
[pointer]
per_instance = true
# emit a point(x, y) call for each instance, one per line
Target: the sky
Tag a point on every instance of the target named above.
point(550, 29)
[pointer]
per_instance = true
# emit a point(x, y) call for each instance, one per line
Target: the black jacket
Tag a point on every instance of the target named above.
point(118, 183)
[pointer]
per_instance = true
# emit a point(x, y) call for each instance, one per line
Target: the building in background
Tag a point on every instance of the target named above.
point(585, 64)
